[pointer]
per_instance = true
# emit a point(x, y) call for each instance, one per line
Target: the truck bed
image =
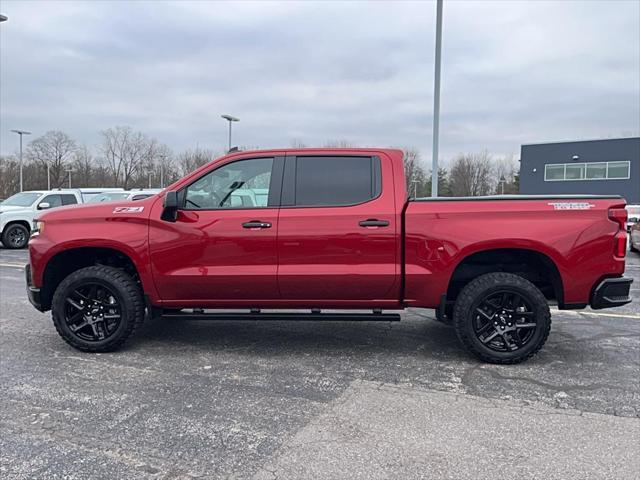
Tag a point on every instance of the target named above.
point(573, 232)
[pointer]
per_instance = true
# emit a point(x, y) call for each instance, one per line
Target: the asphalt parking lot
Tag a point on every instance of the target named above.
point(279, 400)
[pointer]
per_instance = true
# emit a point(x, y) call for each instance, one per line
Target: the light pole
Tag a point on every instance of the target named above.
point(230, 119)
point(415, 188)
point(69, 170)
point(436, 101)
point(502, 182)
point(21, 133)
point(48, 176)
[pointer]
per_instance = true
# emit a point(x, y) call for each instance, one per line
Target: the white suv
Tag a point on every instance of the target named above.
point(17, 212)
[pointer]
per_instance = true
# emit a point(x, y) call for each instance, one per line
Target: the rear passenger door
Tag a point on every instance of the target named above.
point(337, 231)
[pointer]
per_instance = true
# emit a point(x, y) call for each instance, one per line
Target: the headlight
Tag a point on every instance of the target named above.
point(38, 228)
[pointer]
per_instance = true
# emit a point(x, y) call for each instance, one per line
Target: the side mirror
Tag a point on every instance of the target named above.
point(170, 211)
point(44, 205)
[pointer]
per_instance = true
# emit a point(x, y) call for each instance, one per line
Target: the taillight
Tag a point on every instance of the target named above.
point(619, 215)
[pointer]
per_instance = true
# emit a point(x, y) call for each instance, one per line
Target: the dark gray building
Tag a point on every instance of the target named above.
point(607, 167)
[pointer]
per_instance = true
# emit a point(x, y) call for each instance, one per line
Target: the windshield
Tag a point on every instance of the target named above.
point(108, 197)
point(23, 199)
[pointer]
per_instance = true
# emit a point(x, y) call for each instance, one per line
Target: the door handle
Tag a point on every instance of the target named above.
point(374, 222)
point(256, 224)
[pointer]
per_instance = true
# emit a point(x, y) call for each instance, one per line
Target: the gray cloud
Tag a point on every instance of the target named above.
point(513, 72)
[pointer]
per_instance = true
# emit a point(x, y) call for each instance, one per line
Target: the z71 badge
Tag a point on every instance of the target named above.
point(128, 209)
point(571, 205)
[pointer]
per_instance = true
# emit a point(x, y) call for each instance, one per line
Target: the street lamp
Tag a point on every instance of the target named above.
point(230, 119)
point(3, 18)
point(436, 101)
point(21, 132)
point(69, 170)
point(502, 182)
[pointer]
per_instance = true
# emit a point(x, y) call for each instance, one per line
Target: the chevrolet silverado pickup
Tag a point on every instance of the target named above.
point(330, 232)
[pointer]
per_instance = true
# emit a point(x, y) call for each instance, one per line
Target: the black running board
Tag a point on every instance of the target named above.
point(287, 316)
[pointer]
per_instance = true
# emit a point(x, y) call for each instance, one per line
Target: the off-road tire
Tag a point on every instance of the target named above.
point(12, 229)
point(125, 288)
point(481, 287)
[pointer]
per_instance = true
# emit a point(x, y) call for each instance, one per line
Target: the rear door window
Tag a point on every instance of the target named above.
point(68, 199)
point(336, 180)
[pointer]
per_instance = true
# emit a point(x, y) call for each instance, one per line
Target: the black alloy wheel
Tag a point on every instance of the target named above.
point(92, 312)
point(504, 321)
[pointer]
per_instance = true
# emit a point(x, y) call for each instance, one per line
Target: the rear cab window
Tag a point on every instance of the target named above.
point(315, 181)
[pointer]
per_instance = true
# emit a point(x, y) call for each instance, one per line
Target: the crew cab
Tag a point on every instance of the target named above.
point(18, 211)
point(319, 229)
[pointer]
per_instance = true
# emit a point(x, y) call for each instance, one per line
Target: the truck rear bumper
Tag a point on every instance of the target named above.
point(611, 292)
point(32, 292)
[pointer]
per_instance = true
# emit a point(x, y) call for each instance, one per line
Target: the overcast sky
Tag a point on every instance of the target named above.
point(513, 72)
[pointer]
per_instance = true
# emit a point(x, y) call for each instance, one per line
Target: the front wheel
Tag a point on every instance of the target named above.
point(96, 309)
point(15, 236)
point(502, 318)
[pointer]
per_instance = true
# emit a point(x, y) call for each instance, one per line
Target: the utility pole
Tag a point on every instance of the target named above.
point(21, 133)
point(436, 101)
point(230, 119)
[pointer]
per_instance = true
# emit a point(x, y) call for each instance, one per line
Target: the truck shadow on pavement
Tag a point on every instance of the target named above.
point(411, 336)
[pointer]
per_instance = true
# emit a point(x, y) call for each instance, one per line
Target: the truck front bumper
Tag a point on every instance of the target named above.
point(32, 292)
point(611, 292)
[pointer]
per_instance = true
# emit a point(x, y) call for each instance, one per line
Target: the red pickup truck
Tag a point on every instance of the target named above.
point(327, 229)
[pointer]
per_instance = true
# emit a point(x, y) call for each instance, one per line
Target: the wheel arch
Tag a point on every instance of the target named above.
point(533, 265)
point(67, 261)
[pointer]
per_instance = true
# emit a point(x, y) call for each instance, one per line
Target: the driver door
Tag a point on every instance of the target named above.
point(222, 247)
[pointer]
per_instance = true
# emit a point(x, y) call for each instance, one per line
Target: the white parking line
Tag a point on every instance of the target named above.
point(14, 265)
point(597, 314)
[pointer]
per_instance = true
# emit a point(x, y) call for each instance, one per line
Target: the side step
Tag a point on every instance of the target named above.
point(280, 316)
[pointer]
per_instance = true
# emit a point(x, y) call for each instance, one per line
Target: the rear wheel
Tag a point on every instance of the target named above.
point(96, 309)
point(15, 236)
point(502, 318)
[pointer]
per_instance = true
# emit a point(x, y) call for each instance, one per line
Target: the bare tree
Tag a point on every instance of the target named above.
point(508, 168)
point(126, 153)
point(339, 144)
point(9, 176)
point(54, 149)
point(191, 159)
point(472, 174)
point(415, 175)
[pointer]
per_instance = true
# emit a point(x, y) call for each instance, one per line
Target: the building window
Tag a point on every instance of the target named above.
point(618, 170)
point(555, 172)
point(596, 171)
